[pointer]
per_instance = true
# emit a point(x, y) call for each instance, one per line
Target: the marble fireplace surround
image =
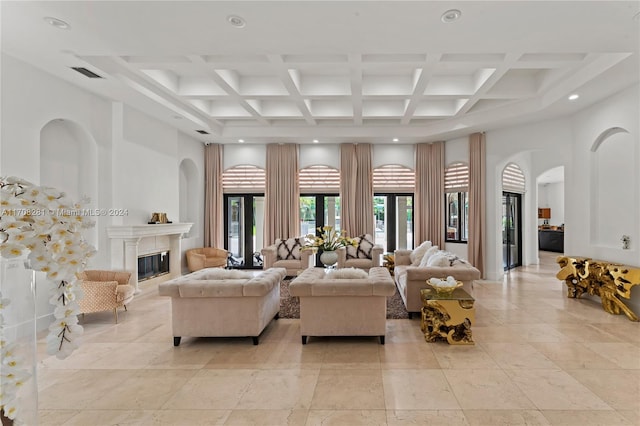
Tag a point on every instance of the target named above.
point(128, 242)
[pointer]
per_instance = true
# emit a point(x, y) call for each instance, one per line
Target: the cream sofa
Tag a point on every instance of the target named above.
point(288, 254)
point(411, 279)
point(203, 305)
point(343, 307)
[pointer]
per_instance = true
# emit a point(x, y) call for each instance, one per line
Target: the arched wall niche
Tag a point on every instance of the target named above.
point(69, 162)
point(188, 195)
point(613, 199)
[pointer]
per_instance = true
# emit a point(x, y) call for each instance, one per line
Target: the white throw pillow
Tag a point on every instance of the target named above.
point(346, 273)
point(427, 255)
point(225, 274)
point(439, 259)
point(418, 253)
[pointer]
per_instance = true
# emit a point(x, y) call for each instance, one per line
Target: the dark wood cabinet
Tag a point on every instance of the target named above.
point(544, 213)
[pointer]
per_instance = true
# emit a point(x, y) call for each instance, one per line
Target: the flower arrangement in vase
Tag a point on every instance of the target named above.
point(43, 224)
point(328, 242)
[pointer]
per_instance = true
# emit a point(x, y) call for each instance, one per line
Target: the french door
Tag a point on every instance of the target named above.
point(511, 230)
point(244, 228)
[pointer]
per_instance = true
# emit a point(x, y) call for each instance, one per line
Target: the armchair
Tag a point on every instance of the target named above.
point(287, 254)
point(207, 257)
point(105, 290)
point(364, 255)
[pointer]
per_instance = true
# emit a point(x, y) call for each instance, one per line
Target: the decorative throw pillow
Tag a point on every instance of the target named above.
point(438, 259)
point(289, 249)
point(225, 274)
point(363, 248)
point(346, 273)
point(427, 255)
point(418, 253)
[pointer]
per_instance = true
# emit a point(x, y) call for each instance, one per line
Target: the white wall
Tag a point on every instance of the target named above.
point(551, 195)
point(138, 157)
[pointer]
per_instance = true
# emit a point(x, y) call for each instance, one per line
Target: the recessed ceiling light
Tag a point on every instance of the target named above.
point(395, 139)
point(240, 140)
point(236, 21)
point(451, 15)
point(573, 96)
point(315, 141)
point(58, 23)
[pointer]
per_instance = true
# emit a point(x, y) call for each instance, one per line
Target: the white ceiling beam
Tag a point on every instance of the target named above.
point(509, 60)
point(355, 65)
point(221, 80)
point(426, 72)
point(150, 88)
point(291, 86)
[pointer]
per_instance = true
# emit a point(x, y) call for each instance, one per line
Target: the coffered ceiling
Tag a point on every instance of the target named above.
point(298, 71)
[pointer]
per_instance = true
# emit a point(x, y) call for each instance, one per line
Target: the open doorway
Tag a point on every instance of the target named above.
point(551, 210)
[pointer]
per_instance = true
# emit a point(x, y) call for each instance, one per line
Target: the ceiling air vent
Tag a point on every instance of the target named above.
point(202, 132)
point(86, 72)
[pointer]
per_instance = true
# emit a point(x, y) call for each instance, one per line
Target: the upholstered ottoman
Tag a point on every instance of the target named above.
point(223, 303)
point(343, 306)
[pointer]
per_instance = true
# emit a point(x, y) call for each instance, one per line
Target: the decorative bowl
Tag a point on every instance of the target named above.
point(443, 287)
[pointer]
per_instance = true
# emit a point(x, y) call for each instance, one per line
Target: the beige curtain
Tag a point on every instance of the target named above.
point(428, 221)
point(282, 193)
point(477, 179)
point(213, 201)
point(356, 189)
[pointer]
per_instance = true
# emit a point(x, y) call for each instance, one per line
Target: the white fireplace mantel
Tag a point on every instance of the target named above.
point(125, 240)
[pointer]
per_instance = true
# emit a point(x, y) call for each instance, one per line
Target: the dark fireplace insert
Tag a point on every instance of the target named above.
point(153, 265)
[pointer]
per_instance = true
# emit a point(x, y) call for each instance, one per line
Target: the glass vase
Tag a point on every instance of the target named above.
point(18, 330)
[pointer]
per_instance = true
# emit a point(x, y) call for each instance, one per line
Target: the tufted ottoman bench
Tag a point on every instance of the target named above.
point(343, 306)
point(223, 303)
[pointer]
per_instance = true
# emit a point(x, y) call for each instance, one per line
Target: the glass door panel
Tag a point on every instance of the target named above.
point(244, 226)
point(511, 230)
point(235, 232)
point(381, 219)
point(307, 215)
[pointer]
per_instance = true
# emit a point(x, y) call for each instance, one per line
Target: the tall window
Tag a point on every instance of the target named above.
point(456, 201)
point(393, 186)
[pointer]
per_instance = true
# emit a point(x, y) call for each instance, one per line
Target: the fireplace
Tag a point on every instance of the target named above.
point(130, 242)
point(153, 265)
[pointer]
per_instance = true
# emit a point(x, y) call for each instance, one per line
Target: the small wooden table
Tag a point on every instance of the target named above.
point(447, 317)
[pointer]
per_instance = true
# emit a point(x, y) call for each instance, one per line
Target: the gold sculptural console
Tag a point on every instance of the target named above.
point(447, 316)
point(609, 281)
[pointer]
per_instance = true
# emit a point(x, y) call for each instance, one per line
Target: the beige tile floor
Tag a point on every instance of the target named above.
point(539, 359)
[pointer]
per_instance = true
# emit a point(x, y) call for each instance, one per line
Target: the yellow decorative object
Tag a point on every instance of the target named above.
point(609, 281)
point(389, 262)
point(447, 317)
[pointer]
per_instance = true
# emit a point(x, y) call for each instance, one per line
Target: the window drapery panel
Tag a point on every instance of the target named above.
point(429, 221)
point(356, 189)
point(213, 201)
point(282, 194)
point(477, 200)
